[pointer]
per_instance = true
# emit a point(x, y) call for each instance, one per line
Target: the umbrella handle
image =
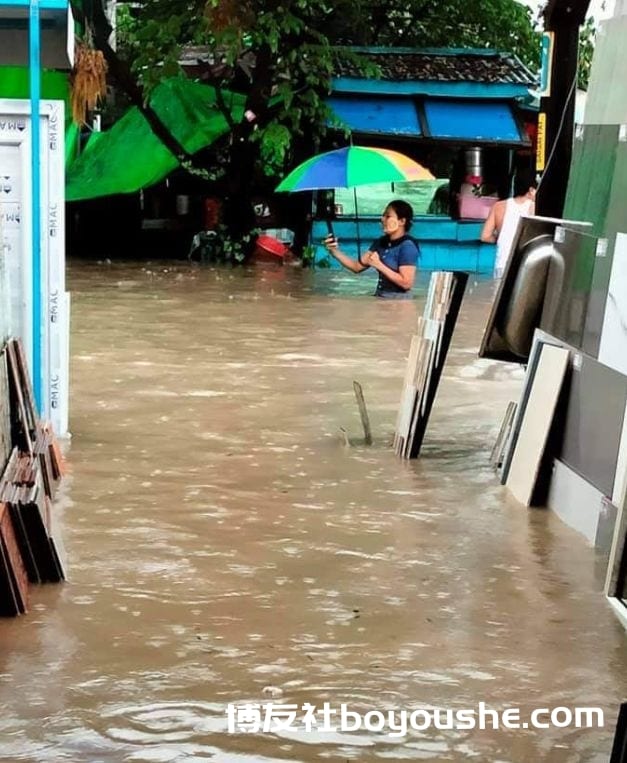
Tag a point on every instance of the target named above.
point(330, 227)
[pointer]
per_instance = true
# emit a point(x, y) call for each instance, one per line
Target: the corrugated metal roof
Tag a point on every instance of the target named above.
point(481, 65)
point(442, 65)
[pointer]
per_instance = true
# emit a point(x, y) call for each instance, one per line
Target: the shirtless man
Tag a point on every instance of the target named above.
point(500, 227)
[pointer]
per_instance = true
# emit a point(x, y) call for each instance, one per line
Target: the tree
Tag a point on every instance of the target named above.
point(283, 54)
point(502, 24)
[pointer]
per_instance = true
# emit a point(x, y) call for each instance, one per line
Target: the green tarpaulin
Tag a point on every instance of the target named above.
point(129, 156)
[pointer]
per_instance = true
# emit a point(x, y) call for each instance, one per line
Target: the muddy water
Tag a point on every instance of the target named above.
point(222, 539)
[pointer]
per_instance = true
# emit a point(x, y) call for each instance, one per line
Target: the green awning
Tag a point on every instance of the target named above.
point(129, 156)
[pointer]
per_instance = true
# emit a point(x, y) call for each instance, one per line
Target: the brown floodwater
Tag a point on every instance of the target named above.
point(222, 539)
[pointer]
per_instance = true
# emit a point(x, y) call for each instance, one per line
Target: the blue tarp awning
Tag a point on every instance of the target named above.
point(472, 120)
point(377, 114)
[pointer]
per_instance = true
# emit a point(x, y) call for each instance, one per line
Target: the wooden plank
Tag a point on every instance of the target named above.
point(414, 388)
point(407, 382)
point(6, 440)
point(363, 412)
point(57, 460)
point(21, 433)
point(536, 424)
point(27, 387)
point(25, 546)
point(424, 374)
point(33, 517)
point(9, 606)
point(407, 406)
point(496, 457)
point(414, 391)
point(13, 559)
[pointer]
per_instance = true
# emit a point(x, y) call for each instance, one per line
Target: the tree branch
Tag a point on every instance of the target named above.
point(226, 113)
point(96, 17)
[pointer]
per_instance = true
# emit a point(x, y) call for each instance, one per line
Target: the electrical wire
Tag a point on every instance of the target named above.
point(559, 130)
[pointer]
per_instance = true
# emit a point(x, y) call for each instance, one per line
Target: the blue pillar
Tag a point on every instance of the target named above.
point(34, 31)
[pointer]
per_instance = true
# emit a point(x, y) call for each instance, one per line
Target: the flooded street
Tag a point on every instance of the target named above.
point(222, 539)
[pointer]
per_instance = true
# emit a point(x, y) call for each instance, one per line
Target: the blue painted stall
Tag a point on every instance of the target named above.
point(425, 100)
point(445, 244)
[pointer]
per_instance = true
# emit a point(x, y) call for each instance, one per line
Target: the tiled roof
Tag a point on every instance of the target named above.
point(442, 65)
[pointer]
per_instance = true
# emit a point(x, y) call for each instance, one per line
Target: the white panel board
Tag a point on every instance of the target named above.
point(16, 222)
point(575, 501)
point(613, 347)
point(620, 479)
point(537, 421)
point(55, 303)
point(16, 216)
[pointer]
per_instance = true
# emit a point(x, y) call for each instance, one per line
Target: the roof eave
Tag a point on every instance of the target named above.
point(437, 88)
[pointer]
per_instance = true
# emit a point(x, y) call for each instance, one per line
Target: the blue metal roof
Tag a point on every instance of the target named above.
point(470, 120)
point(369, 114)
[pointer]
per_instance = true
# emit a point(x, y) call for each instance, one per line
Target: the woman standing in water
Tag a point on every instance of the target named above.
point(394, 255)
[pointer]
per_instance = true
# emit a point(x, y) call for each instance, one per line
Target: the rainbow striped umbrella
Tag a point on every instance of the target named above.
point(352, 166)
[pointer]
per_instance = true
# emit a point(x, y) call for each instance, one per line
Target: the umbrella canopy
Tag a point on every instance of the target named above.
point(352, 166)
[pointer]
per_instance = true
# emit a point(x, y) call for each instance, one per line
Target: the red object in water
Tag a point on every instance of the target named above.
point(211, 213)
point(271, 245)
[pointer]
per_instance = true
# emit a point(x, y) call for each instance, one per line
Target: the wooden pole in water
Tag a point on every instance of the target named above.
point(363, 412)
point(345, 439)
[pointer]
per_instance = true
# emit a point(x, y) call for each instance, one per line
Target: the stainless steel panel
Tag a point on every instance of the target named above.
point(519, 320)
point(519, 302)
point(568, 286)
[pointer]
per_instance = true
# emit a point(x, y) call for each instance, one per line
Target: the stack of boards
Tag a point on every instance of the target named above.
point(427, 354)
point(31, 467)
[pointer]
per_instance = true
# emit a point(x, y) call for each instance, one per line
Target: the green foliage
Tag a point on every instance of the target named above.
point(220, 246)
point(275, 139)
point(587, 37)
point(308, 255)
point(506, 25)
point(308, 258)
point(211, 174)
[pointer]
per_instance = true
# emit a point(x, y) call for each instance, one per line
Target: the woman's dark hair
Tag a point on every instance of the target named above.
point(524, 180)
point(403, 212)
